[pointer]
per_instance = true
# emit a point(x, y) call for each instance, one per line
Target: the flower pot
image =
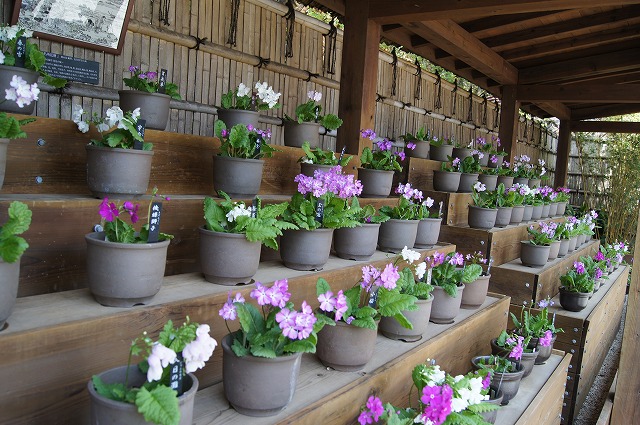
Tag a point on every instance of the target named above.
point(461, 153)
point(345, 347)
point(238, 177)
point(105, 411)
point(9, 278)
point(573, 301)
point(258, 386)
point(562, 206)
point(375, 183)
point(534, 255)
point(554, 249)
point(508, 382)
point(517, 214)
point(309, 169)
point(428, 232)
point(124, 274)
point(503, 217)
point(543, 352)
point(580, 241)
point(573, 242)
point(115, 172)
point(507, 181)
point(528, 213)
point(489, 180)
point(482, 218)
point(497, 164)
point(446, 181)
point(495, 397)
point(527, 360)
point(421, 151)
point(218, 254)
point(295, 134)
point(154, 107)
point(356, 243)
point(521, 180)
point(484, 161)
point(4, 144)
point(537, 212)
point(545, 210)
point(564, 247)
point(467, 180)
point(419, 319)
point(6, 75)
point(534, 183)
point(475, 292)
point(440, 153)
point(445, 308)
point(233, 117)
point(305, 249)
point(553, 209)
point(396, 234)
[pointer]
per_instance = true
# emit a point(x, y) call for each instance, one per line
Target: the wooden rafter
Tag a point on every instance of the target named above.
point(452, 38)
point(555, 109)
point(385, 11)
point(605, 126)
point(582, 93)
point(604, 111)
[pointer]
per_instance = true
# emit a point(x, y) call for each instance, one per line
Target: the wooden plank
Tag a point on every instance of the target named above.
point(420, 172)
point(468, 240)
point(582, 93)
point(605, 126)
point(54, 343)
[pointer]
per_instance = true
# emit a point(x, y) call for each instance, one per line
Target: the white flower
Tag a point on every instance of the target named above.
point(1, 58)
point(77, 113)
point(102, 127)
point(114, 115)
point(479, 186)
point(306, 160)
point(421, 269)
point(236, 212)
point(409, 255)
point(159, 358)
point(83, 126)
point(428, 202)
point(459, 404)
point(197, 352)
point(314, 95)
point(21, 92)
point(243, 90)
point(135, 114)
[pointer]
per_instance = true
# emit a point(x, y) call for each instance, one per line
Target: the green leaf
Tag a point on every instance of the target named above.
point(391, 303)
point(160, 405)
point(322, 286)
point(403, 321)
point(218, 126)
point(262, 351)
point(331, 122)
point(367, 323)
point(19, 219)
point(116, 391)
point(471, 273)
point(301, 346)
point(214, 215)
point(250, 319)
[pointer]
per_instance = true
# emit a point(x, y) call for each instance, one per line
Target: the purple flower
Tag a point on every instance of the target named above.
point(370, 276)
point(517, 350)
point(368, 134)
point(438, 258)
point(493, 159)
point(579, 266)
point(375, 407)
point(327, 301)
point(457, 259)
point(401, 155)
point(384, 145)
point(341, 305)
point(545, 340)
point(152, 75)
point(108, 210)
point(455, 162)
point(224, 132)
point(486, 381)
point(389, 276)
point(260, 294)
point(133, 68)
point(597, 273)
point(543, 303)
point(437, 403)
point(349, 319)
point(599, 256)
point(365, 418)
point(411, 145)
point(228, 310)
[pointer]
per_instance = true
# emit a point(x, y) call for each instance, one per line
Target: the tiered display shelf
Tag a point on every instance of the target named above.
point(588, 335)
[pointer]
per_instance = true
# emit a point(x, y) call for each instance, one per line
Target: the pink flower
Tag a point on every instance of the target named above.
point(545, 340)
point(389, 276)
point(108, 210)
point(327, 301)
point(341, 305)
point(260, 294)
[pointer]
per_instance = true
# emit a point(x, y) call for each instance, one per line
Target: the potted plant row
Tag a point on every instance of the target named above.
point(305, 127)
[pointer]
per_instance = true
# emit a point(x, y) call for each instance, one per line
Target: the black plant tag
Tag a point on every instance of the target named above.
point(176, 376)
point(140, 125)
point(162, 82)
point(320, 211)
point(256, 152)
point(21, 51)
point(344, 148)
point(154, 222)
point(373, 298)
point(254, 208)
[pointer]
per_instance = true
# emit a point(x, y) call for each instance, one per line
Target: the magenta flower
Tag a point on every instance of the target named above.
point(579, 266)
point(374, 404)
point(545, 340)
point(599, 256)
point(108, 210)
point(517, 350)
point(597, 273)
point(437, 403)
point(486, 381)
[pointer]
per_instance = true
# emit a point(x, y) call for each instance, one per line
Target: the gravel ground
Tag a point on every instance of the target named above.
point(597, 396)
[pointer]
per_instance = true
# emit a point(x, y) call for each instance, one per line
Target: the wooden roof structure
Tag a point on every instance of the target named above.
point(570, 59)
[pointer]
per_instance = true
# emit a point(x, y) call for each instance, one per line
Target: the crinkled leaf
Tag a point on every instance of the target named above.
point(160, 405)
point(214, 215)
point(471, 272)
point(19, 219)
point(322, 286)
point(331, 122)
point(302, 346)
point(116, 391)
point(262, 351)
point(250, 319)
point(365, 311)
point(483, 407)
point(367, 323)
point(391, 303)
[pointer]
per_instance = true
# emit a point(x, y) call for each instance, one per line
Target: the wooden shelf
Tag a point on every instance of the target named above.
point(524, 284)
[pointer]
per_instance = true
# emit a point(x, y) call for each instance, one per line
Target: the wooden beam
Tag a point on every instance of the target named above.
point(582, 93)
point(556, 109)
point(584, 67)
point(562, 157)
point(509, 116)
point(396, 11)
point(626, 403)
point(452, 38)
point(604, 111)
point(358, 77)
point(337, 6)
point(605, 126)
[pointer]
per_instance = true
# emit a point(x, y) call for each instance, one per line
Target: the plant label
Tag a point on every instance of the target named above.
point(154, 222)
point(256, 153)
point(140, 125)
point(428, 278)
point(440, 210)
point(21, 51)
point(320, 211)
point(162, 81)
point(254, 208)
point(344, 148)
point(176, 375)
point(373, 298)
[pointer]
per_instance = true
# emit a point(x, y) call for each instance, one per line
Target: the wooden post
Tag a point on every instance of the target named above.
point(359, 76)
point(626, 403)
point(562, 157)
point(509, 119)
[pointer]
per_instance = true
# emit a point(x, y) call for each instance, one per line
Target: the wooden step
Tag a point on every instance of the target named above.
point(588, 335)
point(502, 244)
point(55, 342)
point(523, 283)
